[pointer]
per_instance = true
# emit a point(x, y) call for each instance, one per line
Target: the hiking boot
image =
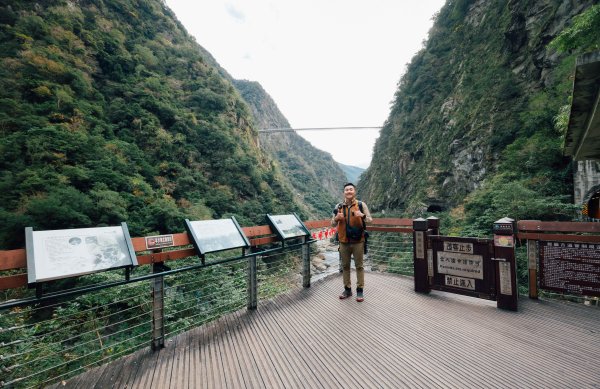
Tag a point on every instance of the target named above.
point(346, 293)
point(359, 295)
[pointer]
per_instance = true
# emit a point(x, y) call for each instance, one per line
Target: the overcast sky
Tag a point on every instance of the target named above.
point(326, 63)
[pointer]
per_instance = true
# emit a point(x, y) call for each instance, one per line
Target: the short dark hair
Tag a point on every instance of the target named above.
point(349, 184)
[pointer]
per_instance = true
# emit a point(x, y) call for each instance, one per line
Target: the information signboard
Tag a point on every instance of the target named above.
point(55, 254)
point(287, 226)
point(570, 267)
point(463, 265)
point(216, 235)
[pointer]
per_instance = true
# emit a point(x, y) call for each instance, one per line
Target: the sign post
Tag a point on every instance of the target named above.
point(504, 256)
point(420, 256)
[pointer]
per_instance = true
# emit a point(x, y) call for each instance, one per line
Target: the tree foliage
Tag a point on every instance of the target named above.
point(473, 126)
point(111, 112)
point(583, 35)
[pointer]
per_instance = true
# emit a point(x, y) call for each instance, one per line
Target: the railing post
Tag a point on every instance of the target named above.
point(305, 262)
point(433, 228)
point(532, 255)
point(506, 268)
point(252, 283)
point(433, 225)
point(419, 255)
point(158, 311)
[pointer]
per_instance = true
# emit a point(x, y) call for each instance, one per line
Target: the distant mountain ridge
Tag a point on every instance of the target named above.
point(352, 172)
point(315, 177)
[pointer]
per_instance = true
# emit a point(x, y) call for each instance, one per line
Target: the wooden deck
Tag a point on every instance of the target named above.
point(395, 339)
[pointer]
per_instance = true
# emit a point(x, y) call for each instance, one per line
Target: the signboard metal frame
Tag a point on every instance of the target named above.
point(35, 256)
point(276, 222)
point(198, 241)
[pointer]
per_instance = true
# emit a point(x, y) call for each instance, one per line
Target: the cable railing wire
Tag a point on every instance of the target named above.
point(33, 338)
point(70, 373)
point(193, 296)
point(96, 363)
point(66, 350)
point(80, 335)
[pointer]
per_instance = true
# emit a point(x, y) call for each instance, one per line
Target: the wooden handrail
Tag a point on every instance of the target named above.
point(539, 226)
point(258, 235)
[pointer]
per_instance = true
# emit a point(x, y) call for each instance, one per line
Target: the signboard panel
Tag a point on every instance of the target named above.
point(463, 265)
point(460, 282)
point(216, 235)
point(159, 241)
point(570, 267)
point(419, 236)
point(458, 247)
point(55, 254)
point(458, 264)
point(287, 226)
point(505, 282)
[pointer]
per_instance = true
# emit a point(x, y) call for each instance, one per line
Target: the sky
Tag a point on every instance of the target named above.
point(325, 63)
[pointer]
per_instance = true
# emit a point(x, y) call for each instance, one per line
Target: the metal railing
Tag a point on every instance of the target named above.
point(70, 330)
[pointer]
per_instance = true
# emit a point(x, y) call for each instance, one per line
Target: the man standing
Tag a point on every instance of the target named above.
point(351, 217)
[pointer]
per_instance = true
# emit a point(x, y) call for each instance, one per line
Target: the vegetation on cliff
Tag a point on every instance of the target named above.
point(315, 177)
point(110, 112)
point(476, 128)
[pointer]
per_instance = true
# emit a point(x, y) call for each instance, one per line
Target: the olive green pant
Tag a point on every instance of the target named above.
point(356, 250)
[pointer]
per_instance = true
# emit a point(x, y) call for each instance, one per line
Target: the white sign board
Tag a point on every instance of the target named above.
point(505, 281)
point(462, 265)
point(460, 282)
point(55, 254)
point(216, 235)
point(419, 237)
point(287, 226)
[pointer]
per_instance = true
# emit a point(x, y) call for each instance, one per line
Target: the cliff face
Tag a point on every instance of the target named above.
point(315, 177)
point(476, 105)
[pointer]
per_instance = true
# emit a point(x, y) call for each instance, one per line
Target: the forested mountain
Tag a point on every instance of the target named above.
point(316, 178)
point(110, 112)
point(352, 172)
point(477, 123)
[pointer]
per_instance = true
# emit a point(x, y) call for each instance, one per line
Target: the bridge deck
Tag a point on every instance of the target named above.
point(395, 339)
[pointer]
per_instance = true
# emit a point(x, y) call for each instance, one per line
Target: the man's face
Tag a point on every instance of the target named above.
point(349, 192)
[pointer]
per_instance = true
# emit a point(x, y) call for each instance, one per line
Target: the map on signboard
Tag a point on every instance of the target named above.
point(216, 235)
point(288, 226)
point(57, 254)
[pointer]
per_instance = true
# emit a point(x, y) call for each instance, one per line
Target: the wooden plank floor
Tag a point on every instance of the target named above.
point(395, 339)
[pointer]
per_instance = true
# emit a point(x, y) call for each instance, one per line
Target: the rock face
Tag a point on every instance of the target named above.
point(471, 92)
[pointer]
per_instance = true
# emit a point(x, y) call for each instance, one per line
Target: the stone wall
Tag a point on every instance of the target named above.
point(586, 180)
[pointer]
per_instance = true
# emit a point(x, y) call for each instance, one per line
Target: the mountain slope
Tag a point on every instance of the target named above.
point(316, 178)
point(109, 112)
point(352, 172)
point(473, 120)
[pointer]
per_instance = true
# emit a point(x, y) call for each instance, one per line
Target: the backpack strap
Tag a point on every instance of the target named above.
point(361, 210)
